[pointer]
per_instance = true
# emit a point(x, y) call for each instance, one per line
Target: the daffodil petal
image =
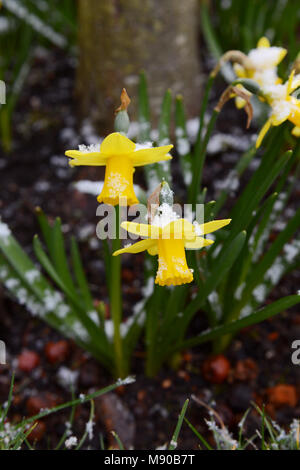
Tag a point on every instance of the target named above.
point(136, 247)
point(212, 226)
point(153, 249)
point(239, 70)
point(198, 243)
point(280, 115)
point(151, 155)
point(263, 132)
point(239, 102)
point(86, 158)
point(295, 83)
point(290, 82)
point(263, 42)
point(179, 229)
point(296, 131)
point(142, 230)
point(117, 144)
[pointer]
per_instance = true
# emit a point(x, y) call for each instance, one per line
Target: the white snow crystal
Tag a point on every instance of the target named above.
point(71, 442)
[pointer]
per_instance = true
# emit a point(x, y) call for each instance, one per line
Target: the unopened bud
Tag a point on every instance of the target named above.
point(122, 120)
point(166, 194)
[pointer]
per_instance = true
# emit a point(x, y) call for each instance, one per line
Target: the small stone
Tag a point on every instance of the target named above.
point(37, 433)
point(240, 397)
point(184, 375)
point(167, 383)
point(245, 370)
point(282, 394)
point(37, 403)
point(28, 360)
point(117, 417)
point(57, 352)
point(273, 335)
point(127, 275)
point(141, 395)
point(216, 369)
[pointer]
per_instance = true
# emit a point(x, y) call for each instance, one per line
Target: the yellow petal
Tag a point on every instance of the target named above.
point(263, 132)
point(136, 247)
point(86, 158)
point(153, 250)
point(179, 229)
point(214, 225)
point(198, 243)
point(117, 144)
point(263, 42)
point(239, 102)
point(294, 116)
point(296, 131)
point(290, 83)
point(239, 71)
point(295, 83)
point(281, 55)
point(142, 230)
point(151, 155)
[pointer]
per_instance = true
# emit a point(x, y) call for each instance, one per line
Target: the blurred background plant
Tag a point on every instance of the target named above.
point(24, 26)
point(230, 24)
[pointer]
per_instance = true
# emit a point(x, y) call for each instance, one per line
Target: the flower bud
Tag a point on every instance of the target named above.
point(166, 194)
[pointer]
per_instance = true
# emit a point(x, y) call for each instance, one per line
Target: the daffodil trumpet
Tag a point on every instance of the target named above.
point(120, 156)
point(169, 242)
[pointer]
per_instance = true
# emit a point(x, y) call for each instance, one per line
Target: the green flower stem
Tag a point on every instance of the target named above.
point(200, 159)
point(152, 324)
point(116, 301)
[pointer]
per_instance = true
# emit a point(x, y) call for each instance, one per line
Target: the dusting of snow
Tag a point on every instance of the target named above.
point(32, 275)
point(265, 57)
point(220, 142)
point(173, 444)
point(67, 378)
point(71, 442)
point(260, 292)
point(92, 148)
point(143, 145)
point(164, 215)
point(89, 429)
point(231, 183)
point(128, 380)
point(5, 233)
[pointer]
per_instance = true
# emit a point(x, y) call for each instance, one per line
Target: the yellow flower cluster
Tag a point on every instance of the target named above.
point(261, 66)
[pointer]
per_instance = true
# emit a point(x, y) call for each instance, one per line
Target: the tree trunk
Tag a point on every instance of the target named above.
point(119, 38)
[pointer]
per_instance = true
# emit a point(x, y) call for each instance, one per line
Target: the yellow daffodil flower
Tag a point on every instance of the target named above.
point(169, 243)
point(263, 65)
point(283, 106)
point(120, 155)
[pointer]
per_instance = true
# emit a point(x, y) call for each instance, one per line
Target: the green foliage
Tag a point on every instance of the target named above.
point(269, 437)
point(14, 435)
point(239, 25)
point(26, 25)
